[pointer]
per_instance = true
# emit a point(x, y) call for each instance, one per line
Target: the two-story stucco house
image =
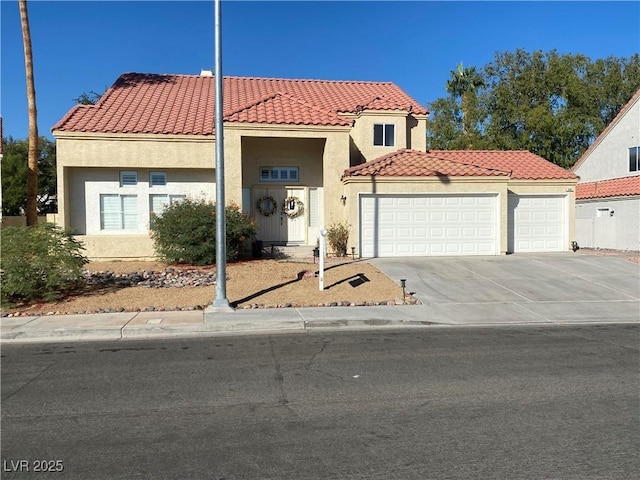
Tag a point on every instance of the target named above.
point(608, 194)
point(334, 150)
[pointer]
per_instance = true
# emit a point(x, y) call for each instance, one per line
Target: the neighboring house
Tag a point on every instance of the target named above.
point(608, 195)
point(345, 151)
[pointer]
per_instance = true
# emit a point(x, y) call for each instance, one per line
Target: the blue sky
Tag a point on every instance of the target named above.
point(80, 46)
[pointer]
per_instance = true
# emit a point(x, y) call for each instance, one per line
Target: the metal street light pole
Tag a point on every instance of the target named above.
point(220, 300)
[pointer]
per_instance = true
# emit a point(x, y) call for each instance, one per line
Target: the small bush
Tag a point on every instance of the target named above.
point(41, 262)
point(186, 232)
point(338, 238)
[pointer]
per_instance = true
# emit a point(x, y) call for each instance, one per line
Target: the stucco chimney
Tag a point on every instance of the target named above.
point(206, 73)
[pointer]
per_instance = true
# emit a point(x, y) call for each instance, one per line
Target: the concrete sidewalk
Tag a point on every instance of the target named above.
point(136, 325)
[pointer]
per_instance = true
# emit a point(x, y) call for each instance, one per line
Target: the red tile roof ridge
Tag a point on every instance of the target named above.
point(279, 79)
point(470, 164)
point(385, 159)
point(335, 119)
point(379, 163)
point(524, 165)
point(314, 80)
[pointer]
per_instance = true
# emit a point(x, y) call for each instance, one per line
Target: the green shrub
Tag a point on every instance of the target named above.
point(338, 238)
point(186, 232)
point(41, 262)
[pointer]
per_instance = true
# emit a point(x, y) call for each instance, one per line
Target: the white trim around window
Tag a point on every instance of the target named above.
point(279, 174)
point(634, 159)
point(118, 212)
point(384, 134)
point(157, 179)
point(128, 178)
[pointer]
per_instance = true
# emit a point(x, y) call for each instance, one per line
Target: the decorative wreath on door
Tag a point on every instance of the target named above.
point(292, 207)
point(267, 205)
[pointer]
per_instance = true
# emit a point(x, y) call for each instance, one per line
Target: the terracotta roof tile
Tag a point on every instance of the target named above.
point(522, 164)
point(184, 104)
point(518, 165)
point(282, 108)
point(414, 163)
point(616, 187)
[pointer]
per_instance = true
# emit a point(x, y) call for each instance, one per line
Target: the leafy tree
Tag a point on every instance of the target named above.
point(552, 104)
point(15, 172)
point(32, 172)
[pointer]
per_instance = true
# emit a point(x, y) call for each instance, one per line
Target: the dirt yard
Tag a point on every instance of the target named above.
point(252, 284)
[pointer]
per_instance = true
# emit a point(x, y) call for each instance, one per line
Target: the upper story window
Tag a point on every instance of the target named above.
point(128, 178)
point(634, 159)
point(279, 174)
point(157, 179)
point(384, 134)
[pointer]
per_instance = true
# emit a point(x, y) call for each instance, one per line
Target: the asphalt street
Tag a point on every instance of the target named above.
point(557, 402)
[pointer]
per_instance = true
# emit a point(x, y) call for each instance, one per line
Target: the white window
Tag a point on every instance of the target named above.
point(279, 174)
point(384, 134)
point(128, 178)
point(634, 159)
point(313, 207)
point(119, 212)
point(158, 203)
point(157, 179)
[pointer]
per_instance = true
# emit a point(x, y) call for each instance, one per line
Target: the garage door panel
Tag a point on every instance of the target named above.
point(428, 225)
point(537, 223)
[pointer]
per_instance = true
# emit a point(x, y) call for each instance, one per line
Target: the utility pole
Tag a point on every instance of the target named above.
point(220, 303)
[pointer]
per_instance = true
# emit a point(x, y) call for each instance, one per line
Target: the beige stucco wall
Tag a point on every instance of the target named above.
point(358, 185)
point(334, 157)
point(362, 132)
point(126, 151)
point(305, 153)
point(87, 184)
point(121, 247)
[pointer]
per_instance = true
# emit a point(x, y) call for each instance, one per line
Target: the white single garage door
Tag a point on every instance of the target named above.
point(537, 223)
point(398, 225)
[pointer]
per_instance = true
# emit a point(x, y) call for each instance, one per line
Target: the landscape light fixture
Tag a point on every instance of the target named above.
point(403, 284)
point(353, 253)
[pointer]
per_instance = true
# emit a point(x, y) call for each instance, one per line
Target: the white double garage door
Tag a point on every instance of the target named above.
point(396, 225)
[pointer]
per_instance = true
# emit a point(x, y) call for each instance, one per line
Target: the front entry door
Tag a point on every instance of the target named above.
point(277, 227)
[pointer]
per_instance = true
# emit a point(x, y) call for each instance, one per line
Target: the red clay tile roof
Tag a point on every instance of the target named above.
point(517, 165)
point(282, 108)
point(634, 98)
point(522, 164)
point(615, 187)
point(184, 104)
point(414, 163)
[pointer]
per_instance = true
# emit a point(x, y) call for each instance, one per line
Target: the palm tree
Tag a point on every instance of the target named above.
point(32, 177)
point(463, 84)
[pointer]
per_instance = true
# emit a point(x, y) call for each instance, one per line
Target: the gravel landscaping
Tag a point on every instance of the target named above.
point(153, 286)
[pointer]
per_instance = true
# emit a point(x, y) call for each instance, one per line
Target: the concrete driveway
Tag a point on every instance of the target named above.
point(554, 286)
